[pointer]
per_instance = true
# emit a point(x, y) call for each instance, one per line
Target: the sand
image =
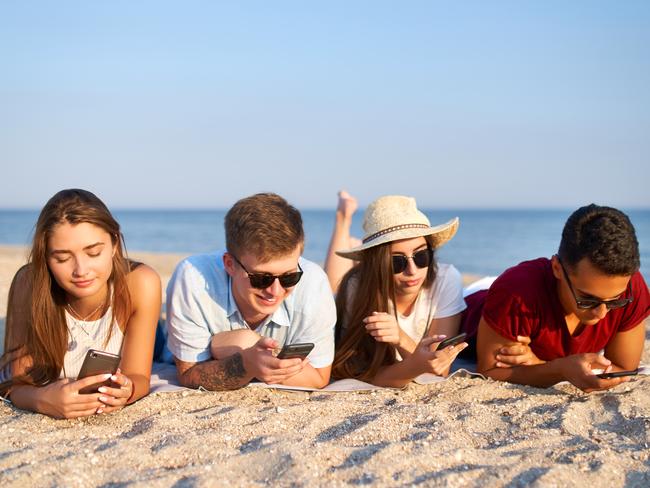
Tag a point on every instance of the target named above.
point(462, 432)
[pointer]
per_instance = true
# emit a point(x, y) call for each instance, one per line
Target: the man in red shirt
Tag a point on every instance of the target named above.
point(588, 298)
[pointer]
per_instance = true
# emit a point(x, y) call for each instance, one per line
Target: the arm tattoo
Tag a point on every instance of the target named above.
point(223, 374)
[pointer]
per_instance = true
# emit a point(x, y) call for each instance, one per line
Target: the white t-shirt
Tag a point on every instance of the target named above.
point(443, 298)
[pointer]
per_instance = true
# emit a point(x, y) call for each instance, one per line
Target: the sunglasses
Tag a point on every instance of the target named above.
point(589, 303)
point(421, 259)
point(264, 280)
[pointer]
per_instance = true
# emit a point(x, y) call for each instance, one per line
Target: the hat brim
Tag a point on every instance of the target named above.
point(441, 234)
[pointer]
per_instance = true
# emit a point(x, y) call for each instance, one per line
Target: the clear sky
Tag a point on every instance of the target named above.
point(196, 104)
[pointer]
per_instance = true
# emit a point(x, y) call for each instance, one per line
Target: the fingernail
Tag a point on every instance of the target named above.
point(499, 357)
point(114, 378)
point(99, 410)
point(108, 375)
point(101, 389)
point(102, 398)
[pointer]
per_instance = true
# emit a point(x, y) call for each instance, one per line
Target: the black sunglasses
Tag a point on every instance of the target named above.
point(264, 280)
point(421, 259)
point(589, 303)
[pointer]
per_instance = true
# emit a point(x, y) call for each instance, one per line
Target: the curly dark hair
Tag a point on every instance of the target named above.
point(605, 236)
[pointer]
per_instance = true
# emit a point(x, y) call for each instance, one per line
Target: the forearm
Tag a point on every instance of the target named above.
point(27, 397)
point(218, 374)
point(336, 266)
point(309, 377)
point(539, 375)
point(406, 345)
point(140, 386)
point(397, 375)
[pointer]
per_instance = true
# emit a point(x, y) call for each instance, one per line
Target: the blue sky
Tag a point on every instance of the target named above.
point(196, 104)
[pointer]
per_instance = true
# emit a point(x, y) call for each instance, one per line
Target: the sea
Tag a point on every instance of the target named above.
point(487, 242)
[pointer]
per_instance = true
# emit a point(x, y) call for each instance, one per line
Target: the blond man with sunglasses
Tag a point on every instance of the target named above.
point(588, 298)
point(229, 312)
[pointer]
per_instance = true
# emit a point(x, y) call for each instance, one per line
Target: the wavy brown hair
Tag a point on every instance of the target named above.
point(40, 340)
point(358, 354)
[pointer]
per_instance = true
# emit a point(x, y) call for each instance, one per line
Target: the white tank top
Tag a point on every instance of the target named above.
point(85, 335)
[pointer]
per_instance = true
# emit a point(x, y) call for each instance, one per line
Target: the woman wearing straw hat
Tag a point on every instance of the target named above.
point(397, 303)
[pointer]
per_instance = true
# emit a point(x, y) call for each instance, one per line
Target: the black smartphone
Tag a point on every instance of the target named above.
point(618, 374)
point(290, 351)
point(98, 362)
point(452, 341)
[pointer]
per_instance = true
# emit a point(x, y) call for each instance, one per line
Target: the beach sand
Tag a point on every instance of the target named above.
point(461, 432)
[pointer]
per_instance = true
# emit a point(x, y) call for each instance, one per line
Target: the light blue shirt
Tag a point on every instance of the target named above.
point(200, 304)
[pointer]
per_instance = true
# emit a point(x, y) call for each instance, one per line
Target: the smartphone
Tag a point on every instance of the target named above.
point(98, 362)
point(618, 374)
point(452, 341)
point(290, 351)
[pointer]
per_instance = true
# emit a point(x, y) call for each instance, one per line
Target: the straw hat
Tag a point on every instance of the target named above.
point(392, 218)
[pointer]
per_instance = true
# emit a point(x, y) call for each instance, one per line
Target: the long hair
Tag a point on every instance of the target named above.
point(366, 288)
point(44, 330)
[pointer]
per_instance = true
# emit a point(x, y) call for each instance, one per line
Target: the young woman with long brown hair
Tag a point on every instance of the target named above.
point(77, 292)
point(397, 304)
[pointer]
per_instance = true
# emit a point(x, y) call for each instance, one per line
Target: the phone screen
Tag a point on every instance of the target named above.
point(452, 341)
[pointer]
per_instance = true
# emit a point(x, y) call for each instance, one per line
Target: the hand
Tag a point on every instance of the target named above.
point(260, 363)
point(383, 327)
point(577, 369)
point(61, 399)
point(428, 359)
point(517, 354)
point(115, 397)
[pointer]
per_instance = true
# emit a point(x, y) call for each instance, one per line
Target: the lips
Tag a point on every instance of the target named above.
point(411, 283)
point(83, 284)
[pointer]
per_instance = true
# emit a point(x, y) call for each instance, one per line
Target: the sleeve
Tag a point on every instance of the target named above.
point(188, 336)
point(637, 311)
point(506, 312)
point(318, 321)
point(450, 294)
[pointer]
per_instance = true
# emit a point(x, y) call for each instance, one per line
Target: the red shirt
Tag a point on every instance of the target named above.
point(524, 301)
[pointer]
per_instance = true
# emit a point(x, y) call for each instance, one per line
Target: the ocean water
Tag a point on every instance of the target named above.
point(487, 242)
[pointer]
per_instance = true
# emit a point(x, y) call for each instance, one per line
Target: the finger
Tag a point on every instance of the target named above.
point(514, 350)
point(121, 380)
point(512, 360)
point(89, 380)
point(109, 409)
point(600, 360)
point(285, 363)
point(267, 343)
point(523, 339)
point(428, 341)
point(114, 392)
point(377, 318)
point(112, 401)
point(81, 413)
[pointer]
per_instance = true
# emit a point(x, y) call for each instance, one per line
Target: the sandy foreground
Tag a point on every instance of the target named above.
point(462, 432)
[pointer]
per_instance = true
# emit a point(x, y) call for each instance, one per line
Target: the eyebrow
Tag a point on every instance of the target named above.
point(87, 248)
point(419, 248)
point(582, 294)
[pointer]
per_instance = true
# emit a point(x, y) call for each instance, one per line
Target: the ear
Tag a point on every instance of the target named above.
point(229, 264)
point(557, 268)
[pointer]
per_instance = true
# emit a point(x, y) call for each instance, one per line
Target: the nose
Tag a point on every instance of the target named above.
point(411, 268)
point(80, 267)
point(600, 311)
point(275, 289)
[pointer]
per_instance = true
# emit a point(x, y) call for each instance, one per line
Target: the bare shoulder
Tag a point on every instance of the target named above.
point(143, 276)
point(144, 284)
